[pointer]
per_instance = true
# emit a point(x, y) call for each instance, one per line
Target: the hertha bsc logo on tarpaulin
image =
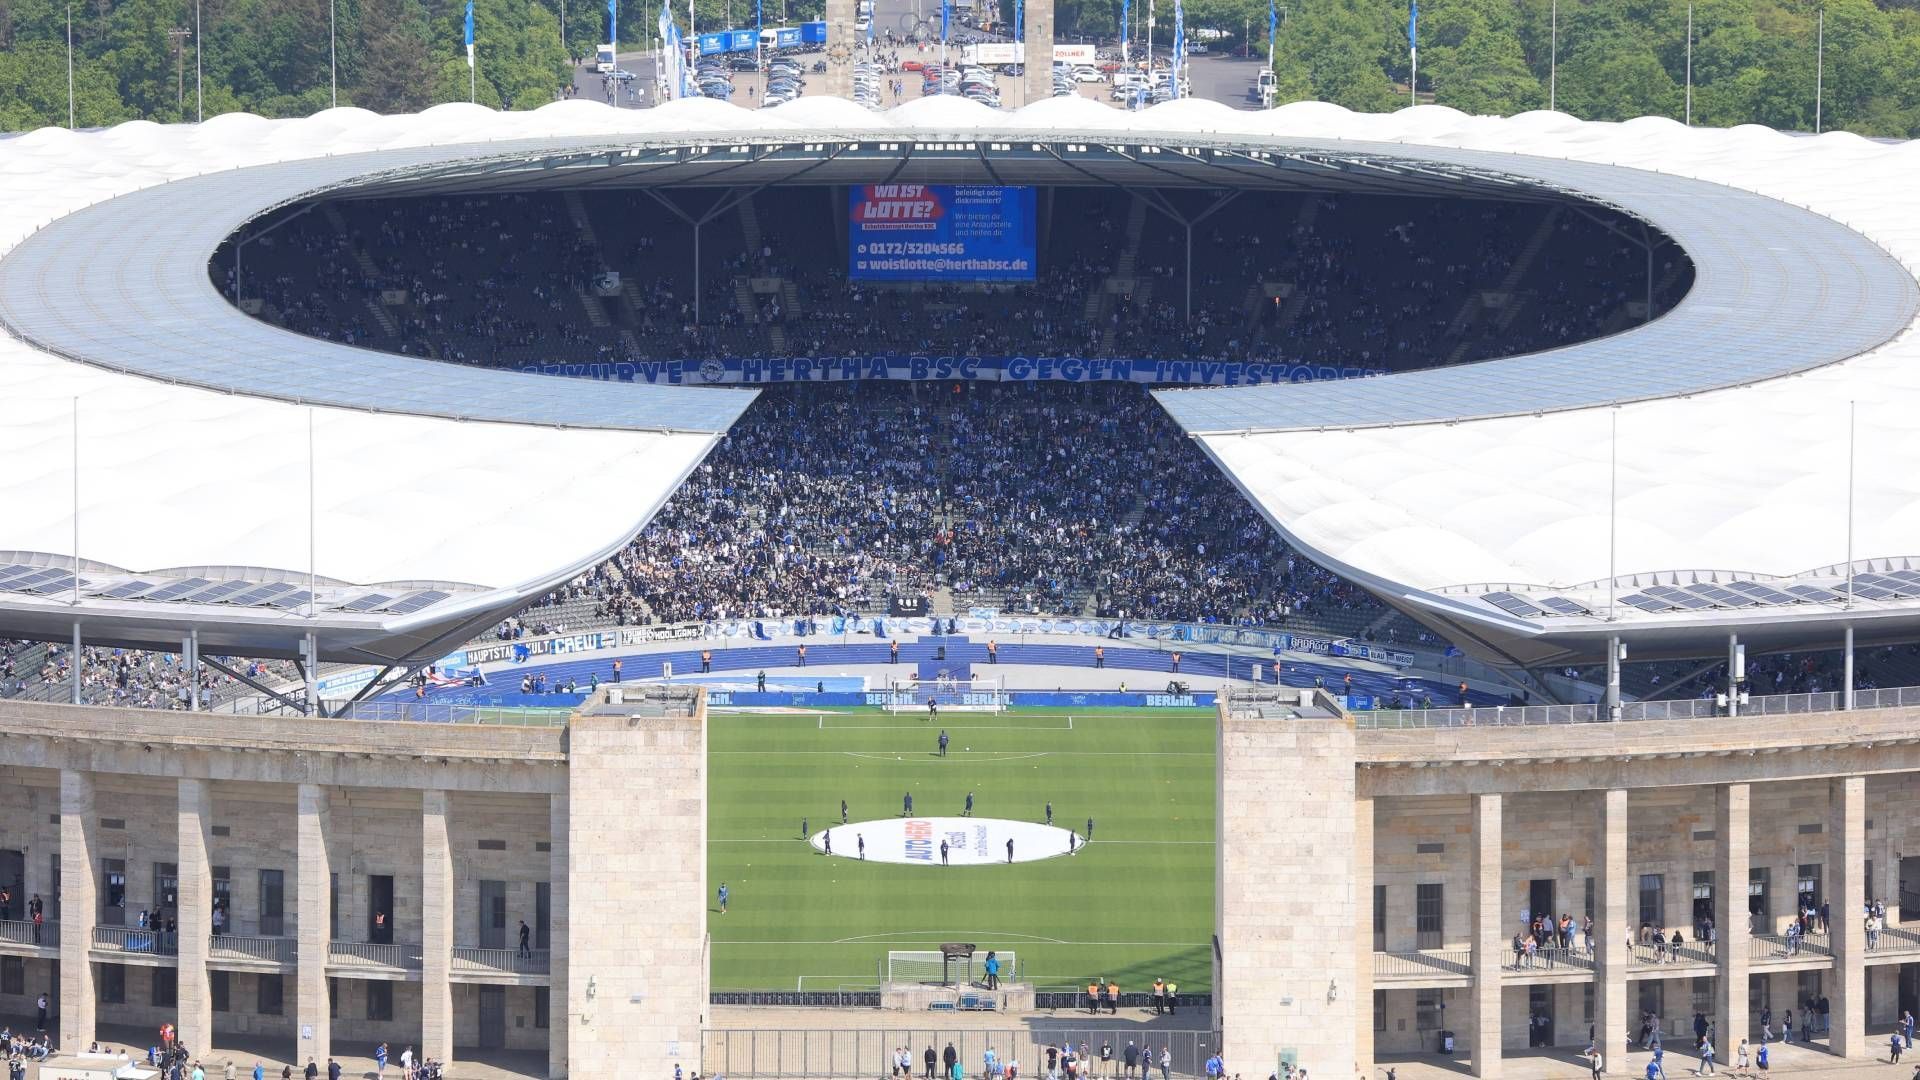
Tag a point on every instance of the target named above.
point(713, 370)
point(969, 841)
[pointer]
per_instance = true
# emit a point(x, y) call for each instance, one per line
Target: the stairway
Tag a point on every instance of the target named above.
point(577, 210)
point(369, 271)
point(1123, 267)
point(749, 226)
point(743, 301)
point(596, 314)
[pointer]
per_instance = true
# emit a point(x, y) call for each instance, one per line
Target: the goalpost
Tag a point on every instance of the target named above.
point(951, 693)
point(931, 968)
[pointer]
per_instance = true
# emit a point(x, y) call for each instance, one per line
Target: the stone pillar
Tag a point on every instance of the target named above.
point(1611, 925)
point(1039, 87)
point(436, 928)
point(1489, 944)
point(842, 47)
point(79, 906)
point(196, 913)
point(557, 929)
point(1731, 838)
point(1284, 893)
point(1846, 893)
point(313, 927)
point(1363, 935)
point(634, 989)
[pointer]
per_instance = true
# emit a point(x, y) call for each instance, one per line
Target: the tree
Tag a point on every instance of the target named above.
point(35, 80)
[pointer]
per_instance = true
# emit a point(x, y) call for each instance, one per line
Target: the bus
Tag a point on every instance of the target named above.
point(604, 62)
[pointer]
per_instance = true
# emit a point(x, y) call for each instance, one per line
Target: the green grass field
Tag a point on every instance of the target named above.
point(1134, 905)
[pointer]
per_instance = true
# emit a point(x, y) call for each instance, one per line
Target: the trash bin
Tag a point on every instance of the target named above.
point(1446, 1043)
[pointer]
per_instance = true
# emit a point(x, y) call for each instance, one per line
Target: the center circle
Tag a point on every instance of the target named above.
point(970, 841)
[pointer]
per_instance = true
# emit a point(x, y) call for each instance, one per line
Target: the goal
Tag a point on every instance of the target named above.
point(954, 694)
point(931, 969)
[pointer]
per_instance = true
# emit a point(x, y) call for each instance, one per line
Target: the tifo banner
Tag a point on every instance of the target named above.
point(758, 371)
point(940, 232)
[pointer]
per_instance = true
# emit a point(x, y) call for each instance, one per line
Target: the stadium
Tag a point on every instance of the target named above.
point(1181, 546)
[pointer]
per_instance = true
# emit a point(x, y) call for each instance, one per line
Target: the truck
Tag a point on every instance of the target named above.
point(1264, 87)
point(604, 62)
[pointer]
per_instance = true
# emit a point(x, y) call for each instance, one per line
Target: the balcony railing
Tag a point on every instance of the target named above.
point(21, 932)
point(1665, 709)
point(1782, 947)
point(271, 950)
point(132, 940)
point(1423, 963)
point(499, 961)
point(1893, 939)
point(1650, 955)
point(1543, 961)
point(368, 954)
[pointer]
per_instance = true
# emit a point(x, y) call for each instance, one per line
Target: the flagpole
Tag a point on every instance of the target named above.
point(1689, 63)
point(1413, 52)
point(1553, 61)
point(70, 123)
point(1819, 70)
point(333, 57)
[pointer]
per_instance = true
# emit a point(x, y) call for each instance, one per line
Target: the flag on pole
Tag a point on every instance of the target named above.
point(1413, 27)
point(1179, 45)
point(1019, 23)
point(946, 10)
point(1273, 30)
point(613, 22)
point(469, 34)
point(1126, 9)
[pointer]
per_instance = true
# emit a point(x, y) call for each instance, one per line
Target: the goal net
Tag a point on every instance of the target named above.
point(929, 968)
point(949, 693)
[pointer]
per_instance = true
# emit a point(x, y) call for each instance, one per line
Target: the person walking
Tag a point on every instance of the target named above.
point(526, 940)
point(1742, 1057)
point(843, 811)
point(1166, 1063)
point(968, 811)
point(906, 805)
point(1597, 1062)
point(1896, 1043)
point(1049, 811)
point(1706, 1058)
point(723, 896)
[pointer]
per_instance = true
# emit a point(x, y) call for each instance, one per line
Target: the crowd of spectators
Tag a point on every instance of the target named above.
point(1316, 279)
point(131, 678)
point(1024, 497)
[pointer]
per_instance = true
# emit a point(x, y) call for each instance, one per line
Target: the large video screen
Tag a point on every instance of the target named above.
point(940, 232)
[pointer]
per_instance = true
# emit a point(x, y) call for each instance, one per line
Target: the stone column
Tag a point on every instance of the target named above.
point(1489, 944)
point(1731, 806)
point(196, 913)
point(1363, 935)
point(436, 928)
point(313, 927)
point(842, 44)
point(1284, 893)
point(635, 987)
point(1039, 87)
point(1611, 926)
point(558, 922)
point(1846, 892)
point(79, 906)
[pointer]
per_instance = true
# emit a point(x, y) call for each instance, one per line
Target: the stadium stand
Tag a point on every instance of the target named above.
point(1391, 283)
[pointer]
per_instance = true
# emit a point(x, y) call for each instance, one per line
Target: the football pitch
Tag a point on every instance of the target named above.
point(1134, 905)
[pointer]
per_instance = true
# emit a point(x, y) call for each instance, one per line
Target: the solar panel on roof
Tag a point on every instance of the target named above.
point(61, 581)
point(1564, 606)
point(178, 589)
point(365, 603)
point(1512, 605)
point(1907, 575)
point(1719, 595)
point(14, 570)
point(1873, 592)
point(291, 600)
point(126, 589)
point(259, 594)
point(1645, 602)
point(33, 581)
point(1815, 593)
point(407, 605)
point(1766, 594)
point(1881, 581)
point(216, 592)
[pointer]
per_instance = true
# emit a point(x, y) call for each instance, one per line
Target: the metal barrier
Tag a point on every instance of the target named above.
point(506, 961)
point(134, 940)
point(1422, 963)
point(1782, 947)
point(1675, 709)
point(1643, 955)
point(22, 932)
point(762, 1052)
point(1550, 959)
point(426, 712)
point(271, 950)
point(370, 954)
